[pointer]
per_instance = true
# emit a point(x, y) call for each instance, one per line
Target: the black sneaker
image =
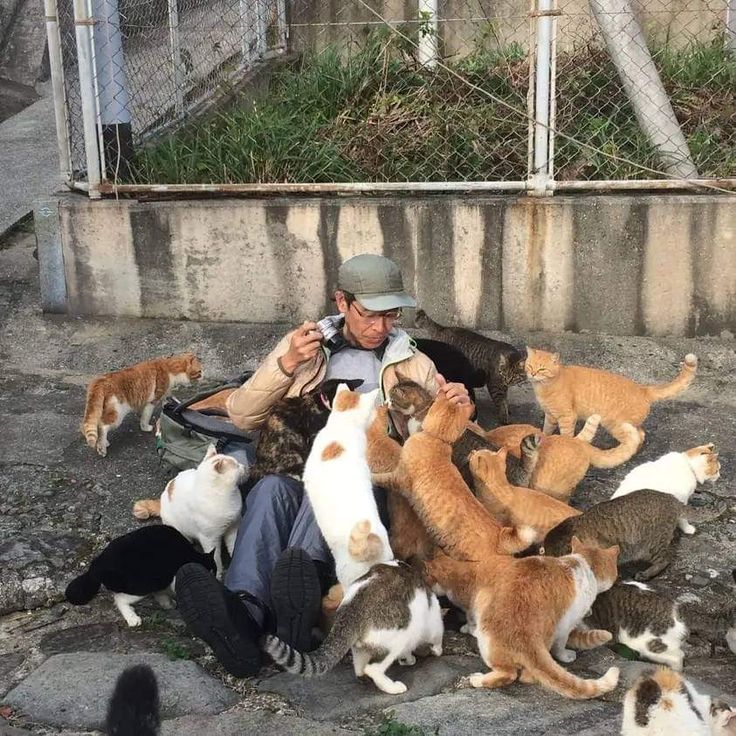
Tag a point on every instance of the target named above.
point(219, 618)
point(295, 598)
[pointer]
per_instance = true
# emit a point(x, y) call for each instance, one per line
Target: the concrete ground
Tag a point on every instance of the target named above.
point(60, 502)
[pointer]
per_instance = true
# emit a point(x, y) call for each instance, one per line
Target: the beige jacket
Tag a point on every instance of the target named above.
point(249, 405)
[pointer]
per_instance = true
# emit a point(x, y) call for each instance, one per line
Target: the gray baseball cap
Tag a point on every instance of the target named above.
point(375, 281)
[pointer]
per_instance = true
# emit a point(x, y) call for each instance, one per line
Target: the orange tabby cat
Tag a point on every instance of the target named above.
point(111, 396)
point(571, 392)
point(519, 609)
point(513, 505)
point(561, 461)
point(425, 471)
point(407, 535)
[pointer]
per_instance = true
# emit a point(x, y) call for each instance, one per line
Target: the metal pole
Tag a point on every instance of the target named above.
point(282, 25)
point(731, 25)
point(261, 28)
point(83, 25)
point(428, 33)
point(57, 84)
point(176, 64)
point(540, 172)
point(552, 99)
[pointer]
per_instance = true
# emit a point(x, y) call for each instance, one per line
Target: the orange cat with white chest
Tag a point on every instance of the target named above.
point(571, 392)
point(111, 396)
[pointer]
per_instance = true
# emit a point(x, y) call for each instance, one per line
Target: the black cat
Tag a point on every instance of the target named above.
point(138, 564)
point(453, 364)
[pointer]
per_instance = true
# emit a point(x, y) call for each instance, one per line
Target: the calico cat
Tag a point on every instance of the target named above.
point(292, 424)
point(642, 523)
point(134, 708)
point(452, 364)
point(511, 505)
point(664, 703)
point(425, 470)
point(567, 393)
point(519, 609)
point(502, 363)
point(677, 473)
point(385, 616)
point(203, 503)
point(562, 462)
point(412, 401)
point(110, 397)
point(136, 565)
point(338, 483)
point(407, 535)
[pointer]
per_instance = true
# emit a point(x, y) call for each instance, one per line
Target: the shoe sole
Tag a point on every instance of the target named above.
point(296, 597)
point(201, 604)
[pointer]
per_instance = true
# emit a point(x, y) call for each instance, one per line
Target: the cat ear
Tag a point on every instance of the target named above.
point(400, 377)
point(614, 551)
point(211, 452)
point(219, 466)
point(501, 454)
point(575, 544)
point(555, 357)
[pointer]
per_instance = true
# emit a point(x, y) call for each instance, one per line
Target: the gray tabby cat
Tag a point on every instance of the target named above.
point(385, 616)
point(502, 363)
point(641, 523)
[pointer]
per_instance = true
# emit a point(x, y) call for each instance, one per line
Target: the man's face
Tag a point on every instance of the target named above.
point(363, 327)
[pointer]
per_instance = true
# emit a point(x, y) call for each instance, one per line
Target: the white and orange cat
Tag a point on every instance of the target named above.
point(337, 480)
point(567, 393)
point(203, 503)
point(112, 396)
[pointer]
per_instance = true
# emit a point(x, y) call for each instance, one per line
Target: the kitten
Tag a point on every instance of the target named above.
point(136, 565)
point(511, 505)
point(519, 609)
point(425, 471)
point(412, 401)
point(288, 432)
point(134, 708)
point(110, 397)
point(569, 392)
point(203, 503)
point(677, 473)
point(407, 534)
point(502, 363)
point(338, 482)
point(385, 616)
point(642, 523)
point(664, 703)
point(452, 364)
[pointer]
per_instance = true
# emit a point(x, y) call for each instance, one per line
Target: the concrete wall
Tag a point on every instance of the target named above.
point(656, 265)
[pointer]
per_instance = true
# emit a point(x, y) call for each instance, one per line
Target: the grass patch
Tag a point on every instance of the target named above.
point(377, 115)
point(391, 727)
point(175, 649)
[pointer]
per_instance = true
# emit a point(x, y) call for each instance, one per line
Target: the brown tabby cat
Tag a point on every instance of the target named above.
point(425, 471)
point(412, 402)
point(111, 396)
point(562, 462)
point(519, 609)
point(511, 505)
point(571, 392)
point(502, 363)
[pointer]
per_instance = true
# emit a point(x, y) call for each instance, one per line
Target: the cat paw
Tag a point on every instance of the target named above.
point(408, 660)
point(467, 629)
point(133, 621)
point(436, 649)
point(688, 529)
point(146, 427)
point(565, 655)
point(476, 679)
point(102, 449)
point(394, 687)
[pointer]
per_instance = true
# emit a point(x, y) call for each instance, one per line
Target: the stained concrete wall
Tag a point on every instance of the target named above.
point(654, 265)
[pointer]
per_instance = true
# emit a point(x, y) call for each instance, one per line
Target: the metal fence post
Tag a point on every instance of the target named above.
point(731, 25)
point(57, 84)
point(83, 31)
point(540, 177)
point(176, 62)
point(428, 33)
point(261, 28)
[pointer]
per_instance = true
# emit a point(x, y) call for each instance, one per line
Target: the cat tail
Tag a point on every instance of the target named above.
point(134, 708)
point(84, 588)
point(93, 412)
point(363, 544)
point(705, 514)
point(556, 678)
point(147, 508)
point(588, 638)
point(512, 540)
point(587, 433)
point(625, 450)
point(335, 646)
point(529, 449)
point(679, 384)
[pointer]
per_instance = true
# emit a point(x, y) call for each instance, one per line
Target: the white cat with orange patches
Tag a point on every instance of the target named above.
point(338, 482)
point(676, 473)
point(203, 503)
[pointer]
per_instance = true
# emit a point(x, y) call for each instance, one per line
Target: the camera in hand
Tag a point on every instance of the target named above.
point(329, 330)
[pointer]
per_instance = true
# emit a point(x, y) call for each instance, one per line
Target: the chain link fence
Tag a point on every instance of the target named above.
point(518, 95)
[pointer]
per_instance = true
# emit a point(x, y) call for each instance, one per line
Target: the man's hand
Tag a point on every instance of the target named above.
point(455, 392)
point(303, 346)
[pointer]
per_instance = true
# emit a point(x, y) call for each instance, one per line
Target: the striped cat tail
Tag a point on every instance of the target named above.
point(588, 638)
point(679, 384)
point(147, 508)
point(629, 444)
point(587, 433)
point(529, 449)
point(364, 545)
point(93, 412)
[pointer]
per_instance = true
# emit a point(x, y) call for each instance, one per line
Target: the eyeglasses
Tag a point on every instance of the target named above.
point(372, 317)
